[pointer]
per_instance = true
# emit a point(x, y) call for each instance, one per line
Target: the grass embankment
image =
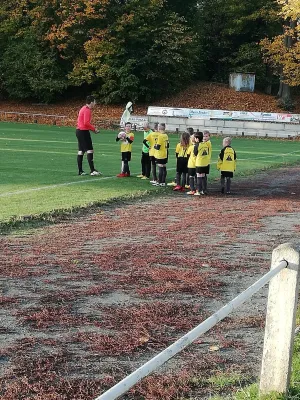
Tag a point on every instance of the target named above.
point(233, 382)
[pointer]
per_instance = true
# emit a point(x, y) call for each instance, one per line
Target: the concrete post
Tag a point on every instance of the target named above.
point(280, 322)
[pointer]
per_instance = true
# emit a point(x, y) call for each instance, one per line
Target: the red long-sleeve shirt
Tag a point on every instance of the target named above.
point(84, 119)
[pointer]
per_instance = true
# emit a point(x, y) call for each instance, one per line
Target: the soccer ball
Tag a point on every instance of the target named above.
point(122, 135)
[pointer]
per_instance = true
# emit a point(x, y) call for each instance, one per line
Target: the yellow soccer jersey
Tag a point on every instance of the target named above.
point(181, 150)
point(161, 146)
point(125, 145)
point(192, 158)
point(152, 139)
point(203, 157)
point(228, 163)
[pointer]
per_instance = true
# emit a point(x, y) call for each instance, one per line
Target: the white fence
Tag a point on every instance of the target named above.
point(279, 330)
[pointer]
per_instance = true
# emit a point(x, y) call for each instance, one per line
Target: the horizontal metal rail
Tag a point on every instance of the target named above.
point(157, 361)
point(32, 114)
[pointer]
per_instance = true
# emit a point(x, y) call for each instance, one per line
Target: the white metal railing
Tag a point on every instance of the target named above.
point(289, 260)
point(32, 115)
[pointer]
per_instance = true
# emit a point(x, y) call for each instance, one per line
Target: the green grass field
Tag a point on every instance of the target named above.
point(39, 171)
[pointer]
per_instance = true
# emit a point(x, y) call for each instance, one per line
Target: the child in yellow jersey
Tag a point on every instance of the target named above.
point(161, 152)
point(201, 151)
point(182, 161)
point(206, 138)
point(226, 164)
point(192, 165)
point(126, 148)
point(149, 141)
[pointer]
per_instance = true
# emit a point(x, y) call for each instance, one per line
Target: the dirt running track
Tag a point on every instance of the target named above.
point(86, 301)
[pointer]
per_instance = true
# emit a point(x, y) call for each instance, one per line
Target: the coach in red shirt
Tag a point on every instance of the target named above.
point(85, 144)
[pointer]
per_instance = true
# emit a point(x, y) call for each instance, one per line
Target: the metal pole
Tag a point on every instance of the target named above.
point(124, 385)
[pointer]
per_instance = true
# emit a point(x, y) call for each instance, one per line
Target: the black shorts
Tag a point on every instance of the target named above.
point(84, 140)
point(126, 155)
point(202, 170)
point(162, 161)
point(192, 171)
point(181, 166)
point(227, 174)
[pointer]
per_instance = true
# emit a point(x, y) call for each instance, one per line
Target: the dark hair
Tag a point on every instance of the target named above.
point(90, 99)
point(190, 131)
point(128, 123)
point(199, 135)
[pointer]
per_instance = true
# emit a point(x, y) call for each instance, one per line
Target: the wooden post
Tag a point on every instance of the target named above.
point(280, 322)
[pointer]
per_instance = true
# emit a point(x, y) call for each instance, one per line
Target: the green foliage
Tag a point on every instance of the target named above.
point(138, 60)
point(286, 104)
point(27, 71)
point(137, 49)
point(229, 31)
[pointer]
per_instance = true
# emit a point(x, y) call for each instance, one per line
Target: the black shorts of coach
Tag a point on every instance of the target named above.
point(126, 155)
point(84, 140)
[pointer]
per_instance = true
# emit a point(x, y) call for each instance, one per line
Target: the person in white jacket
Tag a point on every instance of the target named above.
point(126, 114)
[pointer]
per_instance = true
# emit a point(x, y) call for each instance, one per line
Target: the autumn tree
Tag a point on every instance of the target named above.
point(146, 52)
point(282, 52)
point(229, 32)
point(29, 68)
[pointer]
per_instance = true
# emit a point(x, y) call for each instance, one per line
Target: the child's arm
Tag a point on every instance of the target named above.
point(220, 159)
point(129, 139)
point(234, 160)
point(146, 143)
point(196, 149)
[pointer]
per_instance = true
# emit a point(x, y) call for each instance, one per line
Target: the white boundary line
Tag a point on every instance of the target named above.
point(91, 180)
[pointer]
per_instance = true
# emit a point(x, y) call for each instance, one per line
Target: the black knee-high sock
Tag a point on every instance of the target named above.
point(90, 157)
point(79, 162)
point(177, 180)
point(153, 168)
point(160, 174)
point(164, 174)
point(126, 167)
point(199, 183)
point(205, 183)
point(192, 183)
point(183, 179)
point(222, 184)
point(228, 182)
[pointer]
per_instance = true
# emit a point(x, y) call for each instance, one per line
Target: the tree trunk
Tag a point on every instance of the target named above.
point(284, 92)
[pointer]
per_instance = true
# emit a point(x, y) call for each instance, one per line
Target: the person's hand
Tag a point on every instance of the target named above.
point(97, 131)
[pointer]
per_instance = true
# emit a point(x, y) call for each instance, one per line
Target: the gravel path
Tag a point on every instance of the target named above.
point(88, 300)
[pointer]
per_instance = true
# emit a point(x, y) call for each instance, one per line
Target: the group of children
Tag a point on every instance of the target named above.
point(193, 157)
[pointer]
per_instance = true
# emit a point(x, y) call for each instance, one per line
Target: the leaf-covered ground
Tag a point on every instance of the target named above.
point(199, 95)
point(86, 301)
